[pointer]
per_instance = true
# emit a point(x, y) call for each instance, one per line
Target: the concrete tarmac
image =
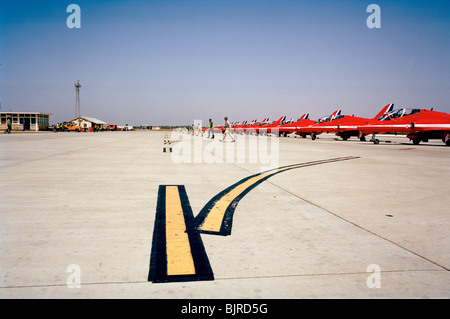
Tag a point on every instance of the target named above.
point(78, 214)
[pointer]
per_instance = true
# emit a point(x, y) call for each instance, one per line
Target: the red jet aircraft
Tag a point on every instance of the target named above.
point(253, 127)
point(420, 125)
point(305, 129)
point(240, 128)
point(270, 128)
point(289, 128)
point(344, 126)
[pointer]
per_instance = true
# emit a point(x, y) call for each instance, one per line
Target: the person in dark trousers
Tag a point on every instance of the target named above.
point(211, 129)
point(8, 125)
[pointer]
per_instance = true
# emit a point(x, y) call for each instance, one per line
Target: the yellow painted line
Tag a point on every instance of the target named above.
point(213, 221)
point(178, 249)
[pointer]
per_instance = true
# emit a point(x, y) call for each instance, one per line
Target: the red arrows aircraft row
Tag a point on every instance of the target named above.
point(419, 125)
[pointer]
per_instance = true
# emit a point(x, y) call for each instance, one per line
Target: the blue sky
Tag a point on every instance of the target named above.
point(171, 62)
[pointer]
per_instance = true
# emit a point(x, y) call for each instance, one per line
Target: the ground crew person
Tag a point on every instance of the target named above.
point(211, 129)
point(199, 129)
point(227, 130)
point(8, 125)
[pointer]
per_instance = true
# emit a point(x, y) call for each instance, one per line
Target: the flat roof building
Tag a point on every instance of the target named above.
point(25, 121)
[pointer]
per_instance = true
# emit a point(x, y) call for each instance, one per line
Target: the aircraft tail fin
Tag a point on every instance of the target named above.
point(281, 119)
point(388, 108)
point(335, 114)
point(305, 116)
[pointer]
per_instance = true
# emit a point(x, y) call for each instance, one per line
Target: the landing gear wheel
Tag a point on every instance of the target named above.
point(313, 136)
point(376, 141)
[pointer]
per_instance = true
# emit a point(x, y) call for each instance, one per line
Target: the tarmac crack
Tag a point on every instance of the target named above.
point(396, 271)
point(82, 284)
point(327, 274)
point(362, 228)
point(354, 224)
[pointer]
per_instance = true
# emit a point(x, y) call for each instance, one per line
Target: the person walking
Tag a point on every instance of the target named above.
point(227, 130)
point(211, 129)
point(199, 129)
point(8, 125)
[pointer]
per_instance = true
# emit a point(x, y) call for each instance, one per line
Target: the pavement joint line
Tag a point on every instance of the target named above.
point(362, 228)
point(328, 274)
point(230, 278)
point(352, 223)
point(82, 284)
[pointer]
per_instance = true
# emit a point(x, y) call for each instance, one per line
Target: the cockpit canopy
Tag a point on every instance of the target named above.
point(395, 114)
point(330, 118)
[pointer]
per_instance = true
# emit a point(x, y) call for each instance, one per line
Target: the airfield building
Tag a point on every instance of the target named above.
point(89, 122)
point(25, 121)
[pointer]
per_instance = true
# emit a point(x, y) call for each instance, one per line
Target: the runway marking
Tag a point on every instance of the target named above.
point(177, 253)
point(216, 217)
point(167, 149)
point(179, 256)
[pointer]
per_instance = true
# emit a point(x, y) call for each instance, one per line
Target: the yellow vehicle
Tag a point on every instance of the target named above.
point(70, 127)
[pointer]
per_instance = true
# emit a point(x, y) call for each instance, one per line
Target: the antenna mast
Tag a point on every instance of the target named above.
point(77, 99)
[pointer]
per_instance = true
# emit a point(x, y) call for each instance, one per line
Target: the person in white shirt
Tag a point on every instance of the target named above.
point(227, 130)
